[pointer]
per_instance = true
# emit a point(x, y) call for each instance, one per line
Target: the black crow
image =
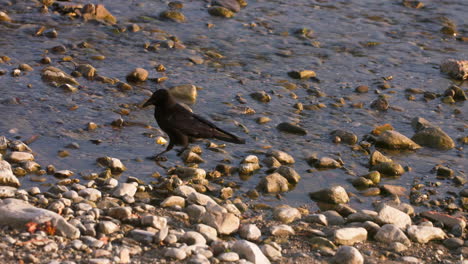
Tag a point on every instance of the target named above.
point(180, 124)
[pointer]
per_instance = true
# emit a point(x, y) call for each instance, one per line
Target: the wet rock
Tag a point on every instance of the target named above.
point(87, 70)
point(185, 92)
point(137, 75)
point(17, 213)
point(305, 74)
point(320, 219)
point(362, 89)
point(291, 128)
point(124, 86)
point(3, 143)
point(350, 235)
point(394, 190)
point(52, 74)
point(190, 173)
point(430, 136)
point(391, 233)
point(377, 157)
point(324, 162)
point(333, 195)
point(225, 223)
point(456, 93)
point(447, 220)
point(97, 12)
point(345, 136)
point(114, 164)
point(380, 104)
point(64, 174)
point(457, 69)
point(389, 168)
point(173, 15)
point(173, 201)
point(263, 120)
point(282, 157)
point(261, 96)
point(6, 175)
point(250, 251)
point(196, 59)
point(250, 232)
point(17, 157)
point(286, 214)
point(229, 257)
point(125, 189)
point(391, 139)
point(273, 183)
point(220, 11)
point(424, 234)
point(232, 5)
point(25, 67)
point(4, 17)
point(289, 173)
point(191, 157)
point(390, 215)
point(7, 192)
point(347, 255)
point(282, 230)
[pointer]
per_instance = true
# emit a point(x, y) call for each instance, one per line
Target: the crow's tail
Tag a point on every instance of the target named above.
point(228, 137)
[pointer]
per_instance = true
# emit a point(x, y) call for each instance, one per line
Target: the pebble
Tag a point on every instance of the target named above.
point(272, 251)
point(333, 195)
point(391, 233)
point(173, 201)
point(347, 255)
point(390, 215)
point(157, 222)
point(286, 214)
point(282, 157)
point(273, 183)
point(225, 223)
point(193, 238)
point(107, 227)
point(90, 194)
point(282, 230)
point(229, 257)
point(137, 75)
point(18, 156)
point(125, 189)
point(208, 232)
point(250, 251)
point(350, 235)
point(424, 234)
point(250, 232)
point(289, 173)
point(175, 253)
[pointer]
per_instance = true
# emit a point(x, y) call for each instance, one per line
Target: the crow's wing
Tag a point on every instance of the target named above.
point(196, 126)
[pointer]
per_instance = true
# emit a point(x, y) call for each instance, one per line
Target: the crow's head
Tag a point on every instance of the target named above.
point(159, 98)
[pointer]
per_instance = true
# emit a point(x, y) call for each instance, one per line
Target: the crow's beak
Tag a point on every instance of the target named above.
point(149, 102)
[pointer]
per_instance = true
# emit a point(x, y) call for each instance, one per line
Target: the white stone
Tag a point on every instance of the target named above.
point(175, 253)
point(17, 213)
point(424, 234)
point(391, 233)
point(108, 227)
point(200, 199)
point(225, 223)
point(282, 230)
point(286, 214)
point(347, 255)
point(229, 257)
point(250, 232)
point(90, 194)
point(207, 231)
point(18, 156)
point(173, 201)
point(193, 238)
point(390, 215)
point(184, 191)
point(350, 235)
point(125, 189)
point(271, 252)
point(250, 251)
point(158, 222)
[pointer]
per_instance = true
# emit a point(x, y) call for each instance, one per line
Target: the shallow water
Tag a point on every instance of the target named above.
point(410, 48)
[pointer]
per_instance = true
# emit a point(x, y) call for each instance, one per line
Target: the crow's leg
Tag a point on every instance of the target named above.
point(162, 158)
point(185, 143)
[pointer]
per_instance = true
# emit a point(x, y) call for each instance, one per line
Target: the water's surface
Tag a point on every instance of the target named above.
point(411, 48)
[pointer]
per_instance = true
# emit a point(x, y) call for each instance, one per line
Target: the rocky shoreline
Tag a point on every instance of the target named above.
point(184, 218)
